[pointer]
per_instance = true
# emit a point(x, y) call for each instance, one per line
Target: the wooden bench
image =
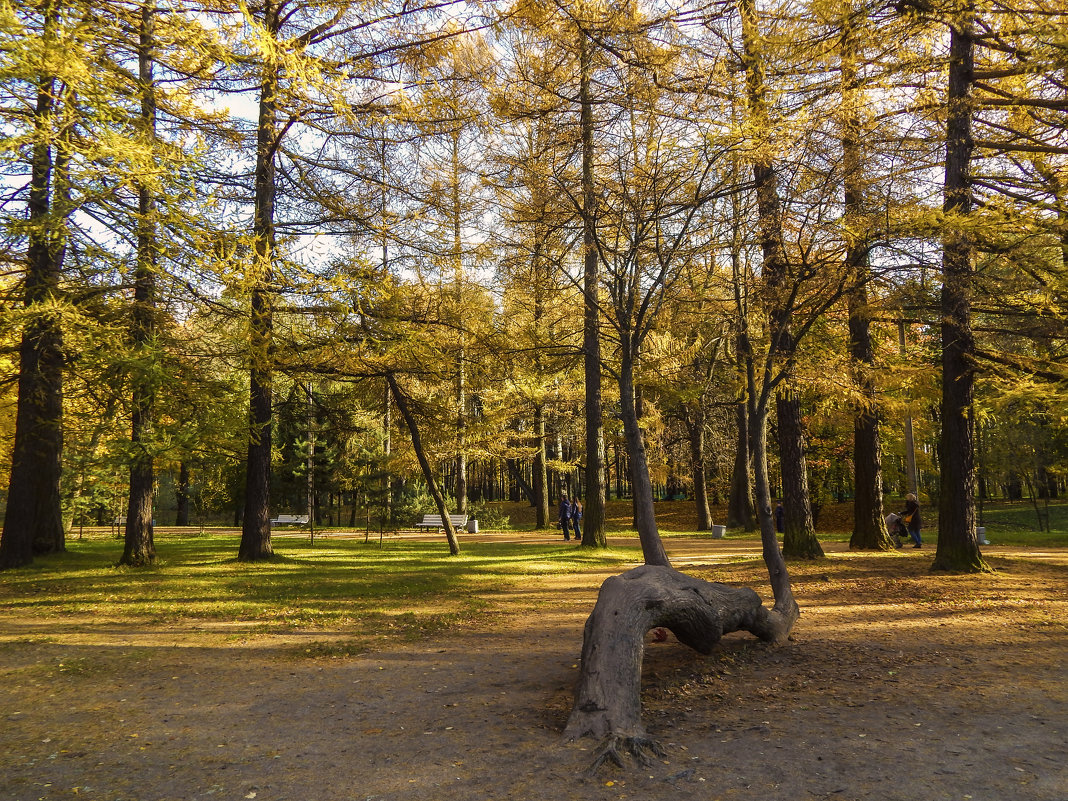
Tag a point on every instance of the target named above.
point(458, 522)
point(290, 520)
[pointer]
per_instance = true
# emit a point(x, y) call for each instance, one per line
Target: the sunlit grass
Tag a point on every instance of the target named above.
point(335, 583)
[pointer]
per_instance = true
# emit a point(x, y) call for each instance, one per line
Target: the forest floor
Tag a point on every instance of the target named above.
point(897, 684)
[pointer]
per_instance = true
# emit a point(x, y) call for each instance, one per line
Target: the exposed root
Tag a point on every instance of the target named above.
point(615, 747)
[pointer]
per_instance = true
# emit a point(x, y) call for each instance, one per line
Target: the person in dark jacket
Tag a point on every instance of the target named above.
point(912, 520)
point(565, 516)
point(576, 517)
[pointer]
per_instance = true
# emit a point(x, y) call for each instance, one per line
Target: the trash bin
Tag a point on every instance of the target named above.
point(980, 535)
point(472, 526)
point(718, 532)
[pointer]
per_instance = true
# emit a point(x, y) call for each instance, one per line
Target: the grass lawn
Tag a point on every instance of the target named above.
point(401, 587)
point(405, 586)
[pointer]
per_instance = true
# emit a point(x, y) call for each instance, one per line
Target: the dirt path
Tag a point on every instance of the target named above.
point(897, 685)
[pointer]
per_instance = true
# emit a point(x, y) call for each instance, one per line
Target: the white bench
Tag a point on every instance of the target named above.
point(290, 520)
point(434, 522)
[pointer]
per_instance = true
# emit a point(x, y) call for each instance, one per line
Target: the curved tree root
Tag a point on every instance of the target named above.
point(615, 747)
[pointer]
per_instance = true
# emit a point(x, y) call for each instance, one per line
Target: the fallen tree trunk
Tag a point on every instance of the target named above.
point(608, 697)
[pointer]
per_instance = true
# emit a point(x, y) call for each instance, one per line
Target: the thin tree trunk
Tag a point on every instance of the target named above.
point(540, 477)
point(428, 473)
point(644, 512)
point(541, 474)
point(785, 604)
point(740, 511)
point(309, 489)
point(697, 466)
point(182, 495)
point(460, 489)
point(139, 547)
point(912, 476)
point(593, 513)
point(256, 525)
point(776, 295)
point(740, 502)
point(958, 547)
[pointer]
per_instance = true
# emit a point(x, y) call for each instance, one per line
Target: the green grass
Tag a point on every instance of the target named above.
point(414, 586)
point(1016, 524)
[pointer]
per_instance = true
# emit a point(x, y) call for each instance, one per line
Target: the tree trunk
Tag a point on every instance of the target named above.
point(428, 472)
point(182, 495)
point(740, 512)
point(541, 474)
point(593, 533)
point(799, 536)
point(785, 604)
point(608, 697)
point(521, 483)
point(697, 465)
point(460, 487)
point(869, 530)
point(256, 525)
point(139, 547)
point(740, 503)
point(644, 512)
point(33, 520)
point(958, 547)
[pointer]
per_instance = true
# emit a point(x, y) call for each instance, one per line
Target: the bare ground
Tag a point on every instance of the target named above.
point(897, 684)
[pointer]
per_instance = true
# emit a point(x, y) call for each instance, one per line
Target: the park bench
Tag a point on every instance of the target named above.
point(434, 522)
point(290, 520)
point(119, 522)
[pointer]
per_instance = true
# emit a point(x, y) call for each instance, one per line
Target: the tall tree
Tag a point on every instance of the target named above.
point(869, 530)
point(255, 524)
point(779, 295)
point(593, 524)
point(958, 547)
point(33, 519)
point(139, 547)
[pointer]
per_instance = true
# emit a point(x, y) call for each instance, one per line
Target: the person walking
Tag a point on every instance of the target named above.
point(576, 518)
point(565, 516)
point(912, 520)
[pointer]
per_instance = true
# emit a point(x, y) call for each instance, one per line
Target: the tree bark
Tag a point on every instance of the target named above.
point(33, 520)
point(541, 474)
point(256, 525)
point(139, 545)
point(958, 546)
point(869, 530)
point(428, 473)
point(644, 511)
point(593, 533)
point(697, 465)
point(799, 536)
point(740, 503)
point(182, 495)
point(608, 697)
point(800, 540)
point(460, 487)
